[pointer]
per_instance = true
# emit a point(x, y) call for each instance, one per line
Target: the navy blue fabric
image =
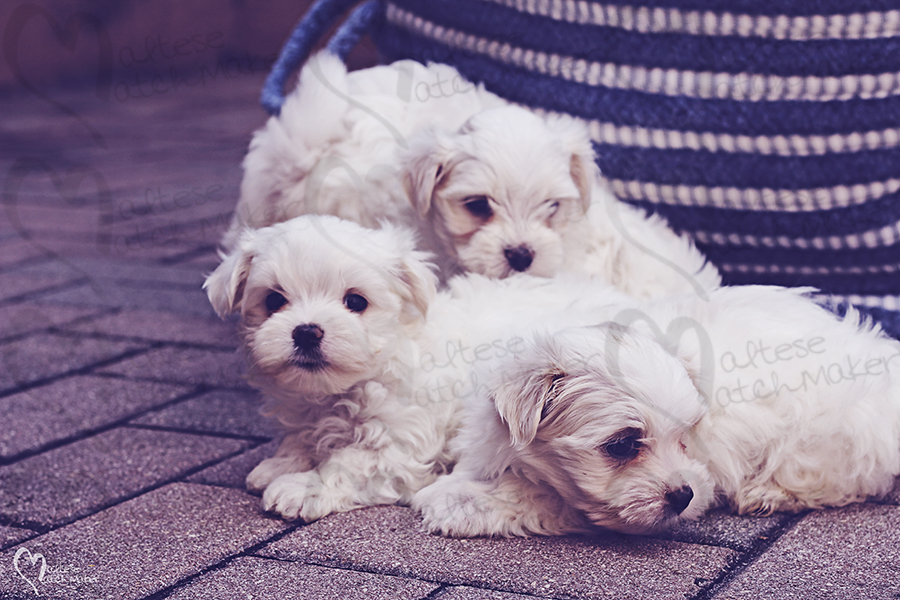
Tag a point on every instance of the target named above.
point(843, 221)
point(774, 7)
point(665, 50)
point(742, 170)
point(624, 107)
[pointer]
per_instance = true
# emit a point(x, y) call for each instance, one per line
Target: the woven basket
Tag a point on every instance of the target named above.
point(768, 130)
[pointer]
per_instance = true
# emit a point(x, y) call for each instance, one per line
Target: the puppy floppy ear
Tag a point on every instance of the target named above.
point(425, 167)
point(414, 270)
point(577, 142)
point(420, 280)
point(225, 285)
point(523, 401)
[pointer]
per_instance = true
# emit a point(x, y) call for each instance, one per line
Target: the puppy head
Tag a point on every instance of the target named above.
point(602, 414)
point(324, 303)
point(502, 191)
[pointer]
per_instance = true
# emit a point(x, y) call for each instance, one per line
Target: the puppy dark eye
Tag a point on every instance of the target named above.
point(624, 446)
point(554, 206)
point(355, 302)
point(479, 206)
point(274, 301)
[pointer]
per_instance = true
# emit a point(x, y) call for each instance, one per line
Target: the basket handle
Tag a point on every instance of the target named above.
point(307, 32)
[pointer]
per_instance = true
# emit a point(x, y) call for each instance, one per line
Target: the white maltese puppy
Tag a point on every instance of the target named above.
point(328, 311)
point(492, 188)
point(759, 399)
point(511, 192)
point(333, 148)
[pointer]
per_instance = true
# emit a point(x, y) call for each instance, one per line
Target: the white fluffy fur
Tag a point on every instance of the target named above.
point(544, 196)
point(371, 145)
point(759, 399)
point(333, 148)
point(353, 439)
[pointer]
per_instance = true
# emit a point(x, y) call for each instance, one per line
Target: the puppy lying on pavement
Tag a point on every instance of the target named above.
point(759, 399)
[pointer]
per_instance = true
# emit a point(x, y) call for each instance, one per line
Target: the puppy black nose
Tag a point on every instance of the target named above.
point(519, 258)
point(679, 499)
point(307, 337)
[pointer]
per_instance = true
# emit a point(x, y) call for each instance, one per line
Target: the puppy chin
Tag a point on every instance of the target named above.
point(309, 382)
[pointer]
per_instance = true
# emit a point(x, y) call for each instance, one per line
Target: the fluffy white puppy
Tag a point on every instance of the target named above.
point(333, 148)
point(511, 191)
point(328, 313)
point(759, 399)
point(492, 188)
point(333, 322)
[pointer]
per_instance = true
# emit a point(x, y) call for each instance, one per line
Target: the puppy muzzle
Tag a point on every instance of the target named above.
point(308, 347)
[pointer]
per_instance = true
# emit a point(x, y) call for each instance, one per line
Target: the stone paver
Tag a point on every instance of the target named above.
point(15, 251)
point(141, 546)
point(842, 554)
point(23, 318)
point(184, 365)
point(73, 405)
point(390, 540)
point(13, 535)
point(233, 472)
point(47, 354)
point(219, 411)
point(264, 578)
point(720, 528)
point(162, 326)
point(18, 285)
point(469, 593)
point(77, 479)
point(180, 298)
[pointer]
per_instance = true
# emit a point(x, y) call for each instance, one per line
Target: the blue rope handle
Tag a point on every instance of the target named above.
point(365, 19)
point(311, 27)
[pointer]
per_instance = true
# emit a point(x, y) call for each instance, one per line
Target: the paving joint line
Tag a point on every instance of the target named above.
point(187, 431)
point(86, 370)
point(26, 262)
point(87, 433)
point(21, 298)
point(178, 478)
point(222, 564)
point(740, 563)
point(52, 328)
point(115, 337)
point(188, 255)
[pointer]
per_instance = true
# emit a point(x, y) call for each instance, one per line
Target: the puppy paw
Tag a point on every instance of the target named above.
point(763, 501)
point(456, 512)
point(270, 469)
point(299, 496)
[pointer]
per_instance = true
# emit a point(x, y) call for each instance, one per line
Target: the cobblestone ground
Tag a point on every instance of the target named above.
point(128, 429)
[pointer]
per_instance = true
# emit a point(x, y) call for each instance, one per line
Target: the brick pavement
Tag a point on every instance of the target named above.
point(128, 429)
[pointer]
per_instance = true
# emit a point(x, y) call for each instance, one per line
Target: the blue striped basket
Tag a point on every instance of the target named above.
point(768, 130)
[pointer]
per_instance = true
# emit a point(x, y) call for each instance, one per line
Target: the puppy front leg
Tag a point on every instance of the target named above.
point(292, 456)
point(460, 505)
point(351, 478)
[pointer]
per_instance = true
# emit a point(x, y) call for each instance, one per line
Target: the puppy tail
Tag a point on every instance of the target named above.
point(312, 113)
